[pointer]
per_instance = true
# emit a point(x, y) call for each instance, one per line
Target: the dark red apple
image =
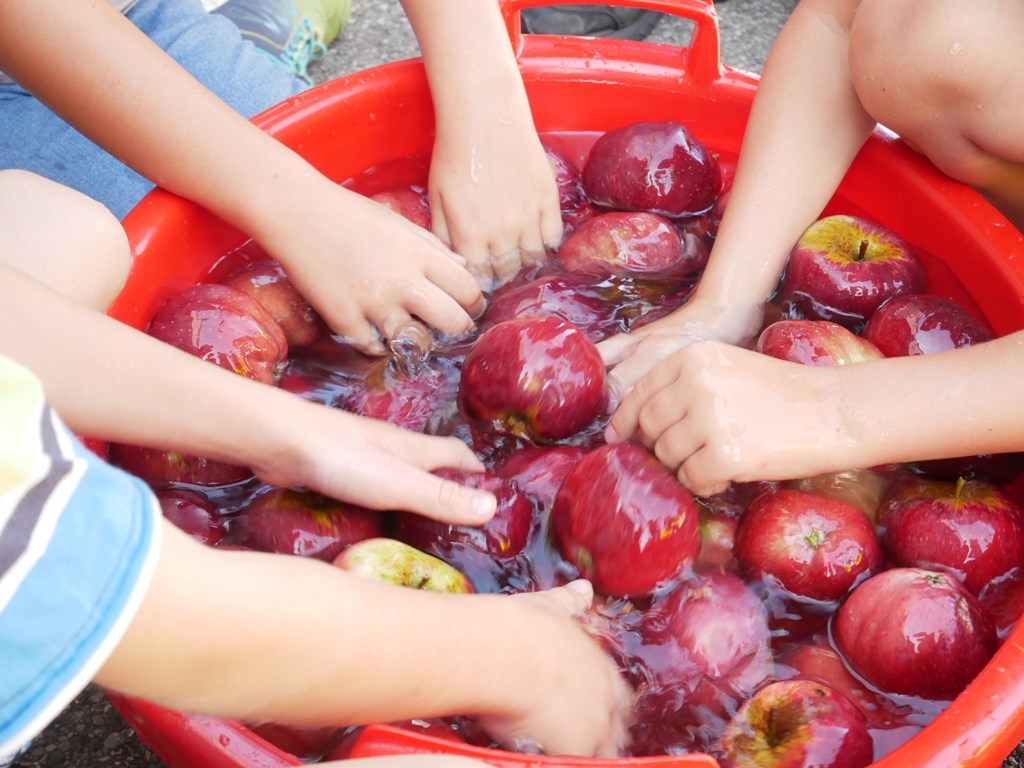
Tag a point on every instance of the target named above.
point(539, 471)
point(971, 530)
point(418, 401)
point(640, 245)
point(922, 325)
point(864, 488)
point(409, 202)
point(567, 176)
point(844, 268)
point(223, 326)
point(697, 241)
point(796, 724)
point(303, 523)
point(995, 468)
point(266, 282)
point(155, 466)
point(812, 547)
point(194, 514)
point(535, 377)
point(1003, 601)
point(655, 167)
point(304, 743)
point(393, 562)
point(571, 298)
point(815, 342)
point(577, 217)
point(705, 648)
point(717, 541)
point(624, 521)
point(502, 537)
point(914, 632)
point(714, 217)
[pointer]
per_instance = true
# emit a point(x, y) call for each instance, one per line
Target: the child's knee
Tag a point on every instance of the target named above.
point(62, 238)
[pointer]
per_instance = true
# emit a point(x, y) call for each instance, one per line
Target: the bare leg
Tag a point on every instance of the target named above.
point(62, 239)
point(948, 76)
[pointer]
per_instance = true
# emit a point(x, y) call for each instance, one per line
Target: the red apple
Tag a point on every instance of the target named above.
point(535, 377)
point(914, 632)
point(223, 326)
point(697, 241)
point(812, 547)
point(503, 536)
point(639, 245)
point(815, 342)
point(843, 269)
point(419, 401)
point(266, 282)
point(995, 468)
point(409, 202)
point(194, 514)
point(796, 724)
point(971, 530)
point(714, 217)
point(655, 167)
point(1003, 601)
point(303, 523)
point(392, 562)
point(864, 488)
point(304, 743)
point(717, 540)
point(157, 467)
point(570, 297)
point(624, 521)
point(567, 176)
point(577, 217)
point(705, 648)
point(922, 325)
point(540, 472)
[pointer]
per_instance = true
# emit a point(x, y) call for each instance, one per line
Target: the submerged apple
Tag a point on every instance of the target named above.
point(567, 177)
point(571, 297)
point(923, 325)
point(408, 202)
point(815, 548)
point(863, 488)
point(971, 530)
point(223, 326)
point(266, 282)
point(539, 471)
point(392, 562)
point(815, 342)
point(844, 268)
point(535, 377)
point(717, 542)
point(796, 724)
point(914, 632)
point(624, 521)
point(303, 523)
point(655, 167)
point(194, 514)
point(416, 400)
point(640, 245)
point(156, 466)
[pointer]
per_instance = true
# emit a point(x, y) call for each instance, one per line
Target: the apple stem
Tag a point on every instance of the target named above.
point(959, 486)
point(863, 250)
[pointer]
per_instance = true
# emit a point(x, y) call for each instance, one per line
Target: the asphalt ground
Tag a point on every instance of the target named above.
point(90, 733)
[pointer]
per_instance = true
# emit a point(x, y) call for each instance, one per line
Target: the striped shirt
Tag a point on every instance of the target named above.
point(79, 541)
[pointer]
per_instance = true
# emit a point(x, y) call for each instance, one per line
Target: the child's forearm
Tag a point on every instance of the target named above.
point(805, 128)
point(959, 403)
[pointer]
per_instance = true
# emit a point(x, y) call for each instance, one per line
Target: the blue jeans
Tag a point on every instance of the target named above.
point(209, 46)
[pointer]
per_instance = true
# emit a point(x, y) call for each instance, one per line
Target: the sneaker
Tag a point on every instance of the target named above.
point(291, 32)
point(590, 21)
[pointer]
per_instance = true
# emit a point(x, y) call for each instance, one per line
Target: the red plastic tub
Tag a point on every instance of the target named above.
point(359, 128)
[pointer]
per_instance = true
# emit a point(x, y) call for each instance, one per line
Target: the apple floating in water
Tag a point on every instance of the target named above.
point(567, 177)
point(655, 167)
point(640, 245)
point(971, 530)
point(796, 724)
point(844, 268)
point(159, 467)
point(913, 632)
point(193, 513)
point(540, 471)
point(923, 325)
point(393, 562)
point(408, 202)
point(624, 521)
point(266, 282)
point(863, 488)
point(569, 297)
point(535, 377)
point(815, 342)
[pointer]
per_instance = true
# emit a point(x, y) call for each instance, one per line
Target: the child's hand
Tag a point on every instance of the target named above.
point(374, 464)
point(359, 263)
point(714, 413)
point(632, 355)
point(573, 701)
point(493, 196)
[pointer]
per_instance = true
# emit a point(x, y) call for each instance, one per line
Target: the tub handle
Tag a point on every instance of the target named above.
point(703, 61)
